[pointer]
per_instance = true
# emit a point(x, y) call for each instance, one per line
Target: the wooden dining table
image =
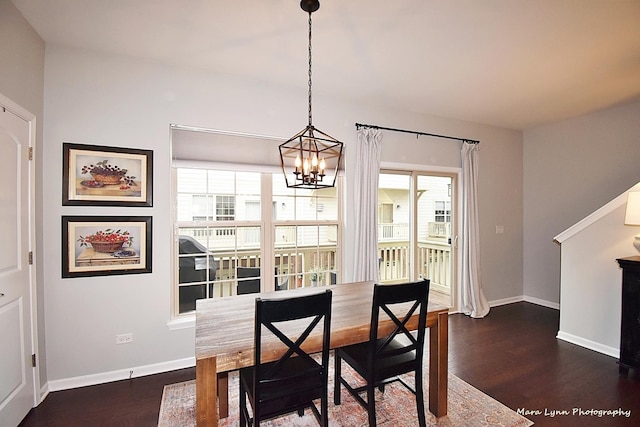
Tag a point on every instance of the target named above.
point(225, 340)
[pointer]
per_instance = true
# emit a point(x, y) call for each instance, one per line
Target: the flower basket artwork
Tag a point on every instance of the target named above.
point(106, 245)
point(106, 176)
point(107, 241)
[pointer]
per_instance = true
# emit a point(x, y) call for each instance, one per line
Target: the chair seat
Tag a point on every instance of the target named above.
point(356, 356)
point(278, 397)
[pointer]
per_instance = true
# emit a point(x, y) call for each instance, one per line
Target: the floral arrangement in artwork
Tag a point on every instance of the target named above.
point(105, 174)
point(107, 240)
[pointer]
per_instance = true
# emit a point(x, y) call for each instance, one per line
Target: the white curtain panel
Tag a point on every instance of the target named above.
point(474, 303)
point(367, 172)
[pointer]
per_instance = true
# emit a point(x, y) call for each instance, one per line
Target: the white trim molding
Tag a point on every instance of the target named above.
point(121, 374)
point(525, 298)
point(591, 345)
point(505, 301)
point(542, 302)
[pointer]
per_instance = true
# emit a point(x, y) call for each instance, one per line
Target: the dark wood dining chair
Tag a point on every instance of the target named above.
point(382, 360)
point(296, 379)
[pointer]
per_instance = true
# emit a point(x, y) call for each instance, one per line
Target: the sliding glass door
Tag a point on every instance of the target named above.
point(416, 229)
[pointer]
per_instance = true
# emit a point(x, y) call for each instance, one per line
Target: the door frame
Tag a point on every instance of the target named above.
point(33, 291)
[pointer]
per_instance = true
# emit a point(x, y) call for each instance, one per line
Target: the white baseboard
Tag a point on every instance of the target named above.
point(520, 298)
point(542, 302)
point(591, 345)
point(122, 374)
point(505, 301)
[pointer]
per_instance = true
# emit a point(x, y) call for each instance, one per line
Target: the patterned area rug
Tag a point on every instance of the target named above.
point(395, 407)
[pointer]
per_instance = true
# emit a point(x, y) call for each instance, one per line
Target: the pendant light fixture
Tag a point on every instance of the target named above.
point(310, 158)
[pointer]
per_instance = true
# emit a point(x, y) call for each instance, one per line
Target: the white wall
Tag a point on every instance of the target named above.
point(572, 168)
point(108, 100)
point(590, 291)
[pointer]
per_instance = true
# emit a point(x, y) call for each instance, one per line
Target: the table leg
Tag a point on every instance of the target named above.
point(223, 394)
point(206, 391)
point(438, 365)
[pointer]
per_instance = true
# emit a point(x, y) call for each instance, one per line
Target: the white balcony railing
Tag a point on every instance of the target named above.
point(434, 263)
point(439, 229)
point(393, 232)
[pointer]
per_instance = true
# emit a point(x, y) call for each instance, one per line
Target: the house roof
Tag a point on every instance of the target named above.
point(510, 63)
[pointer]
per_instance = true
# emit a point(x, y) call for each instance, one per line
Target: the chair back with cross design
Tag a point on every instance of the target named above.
point(293, 381)
point(391, 350)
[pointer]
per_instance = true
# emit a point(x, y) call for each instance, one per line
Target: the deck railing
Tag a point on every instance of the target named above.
point(434, 262)
point(294, 266)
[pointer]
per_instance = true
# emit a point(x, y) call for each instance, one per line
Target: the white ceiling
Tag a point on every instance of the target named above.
point(509, 63)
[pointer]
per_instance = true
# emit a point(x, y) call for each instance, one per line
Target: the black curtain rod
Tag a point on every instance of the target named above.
point(469, 141)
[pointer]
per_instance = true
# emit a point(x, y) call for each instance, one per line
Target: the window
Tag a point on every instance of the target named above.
point(246, 232)
point(443, 211)
point(225, 208)
point(306, 235)
point(200, 206)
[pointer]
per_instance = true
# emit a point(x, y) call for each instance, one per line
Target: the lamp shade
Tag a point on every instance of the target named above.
point(632, 216)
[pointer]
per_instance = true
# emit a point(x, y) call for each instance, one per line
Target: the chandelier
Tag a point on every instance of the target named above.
point(310, 158)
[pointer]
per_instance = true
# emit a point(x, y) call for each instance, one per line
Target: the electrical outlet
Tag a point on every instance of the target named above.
point(124, 338)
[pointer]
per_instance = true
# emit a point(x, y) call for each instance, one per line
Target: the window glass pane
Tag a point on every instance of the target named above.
point(327, 204)
point(231, 267)
point(221, 182)
point(196, 268)
point(201, 207)
point(394, 212)
point(306, 255)
point(184, 207)
point(303, 204)
point(192, 181)
point(305, 208)
point(434, 228)
point(434, 218)
point(280, 186)
point(248, 183)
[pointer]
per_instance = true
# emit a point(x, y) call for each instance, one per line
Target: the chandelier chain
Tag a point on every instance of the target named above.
point(311, 158)
point(309, 68)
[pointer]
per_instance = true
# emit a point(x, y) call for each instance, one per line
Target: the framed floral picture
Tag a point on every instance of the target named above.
point(105, 245)
point(94, 175)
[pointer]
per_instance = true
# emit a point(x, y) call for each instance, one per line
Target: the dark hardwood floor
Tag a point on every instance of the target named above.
point(511, 355)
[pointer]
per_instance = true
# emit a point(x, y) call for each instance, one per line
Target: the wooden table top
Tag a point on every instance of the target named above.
point(225, 326)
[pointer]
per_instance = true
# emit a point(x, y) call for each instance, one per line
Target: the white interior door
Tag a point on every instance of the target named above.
point(16, 372)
